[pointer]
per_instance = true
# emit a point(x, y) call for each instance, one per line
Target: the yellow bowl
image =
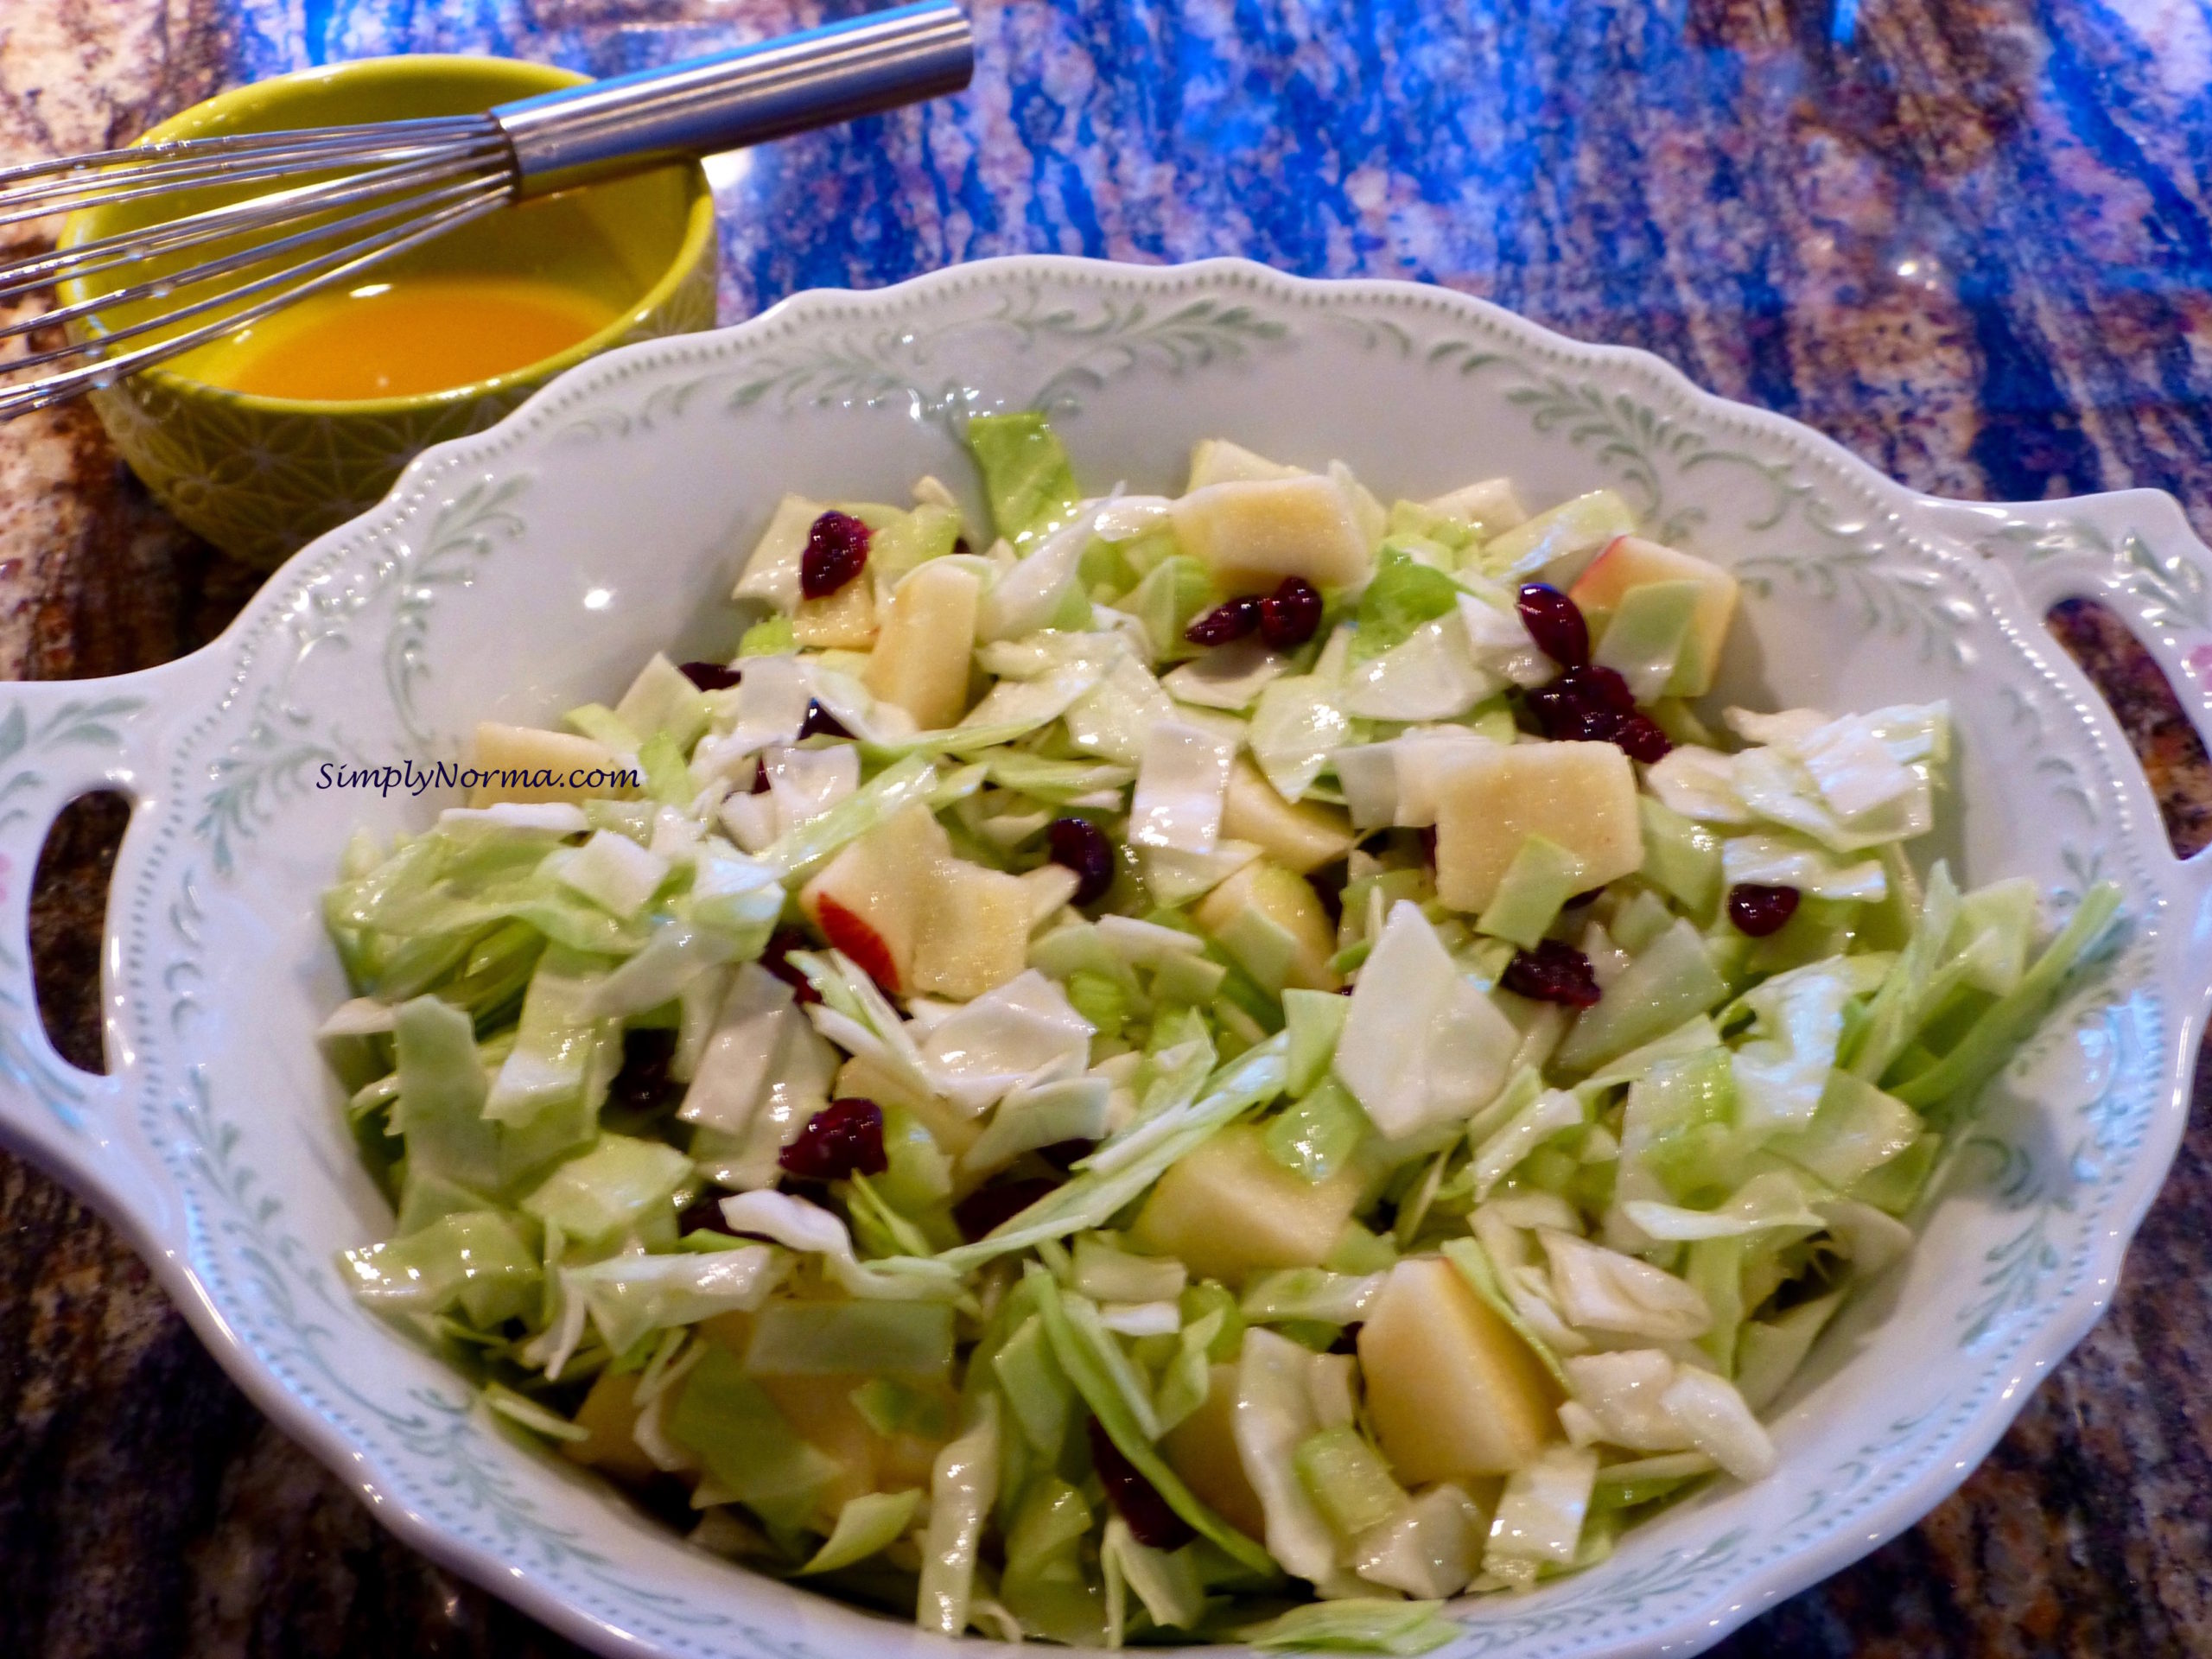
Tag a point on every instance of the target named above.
point(260, 476)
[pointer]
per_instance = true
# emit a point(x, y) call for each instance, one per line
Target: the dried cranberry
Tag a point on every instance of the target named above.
point(759, 785)
point(1558, 715)
point(1640, 739)
point(844, 1139)
point(1347, 1340)
point(1063, 1154)
point(1328, 885)
point(1592, 704)
point(1079, 845)
point(705, 1216)
point(710, 677)
point(777, 959)
point(1759, 911)
point(1135, 1499)
point(1232, 618)
point(836, 551)
point(1555, 623)
point(820, 722)
point(1553, 972)
point(988, 1208)
point(643, 1084)
point(1596, 686)
point(1290, 615)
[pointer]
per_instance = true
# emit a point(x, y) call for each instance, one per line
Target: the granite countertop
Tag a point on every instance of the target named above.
point(1971, 239)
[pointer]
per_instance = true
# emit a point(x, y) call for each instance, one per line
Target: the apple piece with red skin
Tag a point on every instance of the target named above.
point(869, 901)
point(1630, 562)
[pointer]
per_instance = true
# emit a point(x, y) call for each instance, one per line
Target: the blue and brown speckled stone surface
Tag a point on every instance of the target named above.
point(1972, 241)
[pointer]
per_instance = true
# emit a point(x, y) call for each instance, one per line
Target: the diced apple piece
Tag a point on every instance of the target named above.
point(772, 572)
point(662, 698)
point(1272, 922)
point(844, 621)
point(560, 754)
point(821, 1412)
point(1216, 460)
point(869, 902)
point(974, 930)
point(1251, 534)
point(1049, 885)
point(1490, 506)
point(1630, 561)
point(1202, 1449)
point(1301, 836)
point(1453, 1392)
point(1229, 1209)
point(1580, 796)
point(923, 650)
point(1555, 544)
point(610, 1412)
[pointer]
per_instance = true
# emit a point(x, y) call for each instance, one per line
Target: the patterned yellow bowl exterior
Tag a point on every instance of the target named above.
point(260, 477)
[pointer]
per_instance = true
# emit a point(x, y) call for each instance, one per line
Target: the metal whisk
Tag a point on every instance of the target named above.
point(344, 199)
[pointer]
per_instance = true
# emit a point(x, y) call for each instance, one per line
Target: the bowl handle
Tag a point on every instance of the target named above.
point(2134, 552)
point(59, 740)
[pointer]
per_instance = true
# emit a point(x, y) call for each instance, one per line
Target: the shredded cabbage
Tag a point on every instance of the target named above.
point(1122, 1198)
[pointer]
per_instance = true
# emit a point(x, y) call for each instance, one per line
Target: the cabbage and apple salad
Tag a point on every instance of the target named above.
point(1230, 1067)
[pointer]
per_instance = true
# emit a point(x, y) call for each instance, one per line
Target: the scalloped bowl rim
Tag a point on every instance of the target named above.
point(1913, 521)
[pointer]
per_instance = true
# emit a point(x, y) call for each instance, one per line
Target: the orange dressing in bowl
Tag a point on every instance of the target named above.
point(400, 338)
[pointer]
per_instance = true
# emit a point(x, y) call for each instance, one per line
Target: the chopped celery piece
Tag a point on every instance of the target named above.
point(1404, 593)
point(1640, 921)
point(1680, 857)
point(1347, 1480)
point(1102, 1001)
point(1316, 1135)
point(1672, 981)
point(1313, 1019)
point(1643, 642)
point(1542, 876)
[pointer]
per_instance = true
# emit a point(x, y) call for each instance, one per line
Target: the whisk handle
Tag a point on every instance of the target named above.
point(788, 84)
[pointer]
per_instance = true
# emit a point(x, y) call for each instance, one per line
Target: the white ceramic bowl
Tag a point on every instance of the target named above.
point(518, 572)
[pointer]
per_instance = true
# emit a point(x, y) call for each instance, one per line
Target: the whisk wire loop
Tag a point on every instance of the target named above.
point(234, 218)
point(308, 276)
